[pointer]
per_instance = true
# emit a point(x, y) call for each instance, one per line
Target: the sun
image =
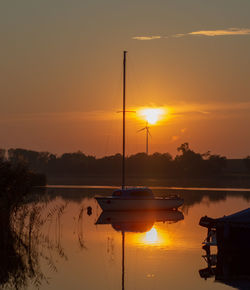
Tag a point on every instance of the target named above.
point(151, 115)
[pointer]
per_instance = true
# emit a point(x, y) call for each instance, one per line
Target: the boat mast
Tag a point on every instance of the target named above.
point(147, 132)
point(123, 118)
point(123, 259)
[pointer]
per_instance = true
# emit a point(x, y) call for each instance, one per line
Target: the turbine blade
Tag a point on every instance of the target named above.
point(141, 130)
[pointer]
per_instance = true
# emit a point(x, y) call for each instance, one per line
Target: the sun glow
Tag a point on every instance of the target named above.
point(151, 236)
point(152, 115)
point(155, 237)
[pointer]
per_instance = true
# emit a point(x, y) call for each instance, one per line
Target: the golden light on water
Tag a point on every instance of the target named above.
point(154, 237)
point(152, 115)
point(151, 236)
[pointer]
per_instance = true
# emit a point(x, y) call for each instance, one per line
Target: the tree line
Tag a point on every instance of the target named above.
point(187, 163)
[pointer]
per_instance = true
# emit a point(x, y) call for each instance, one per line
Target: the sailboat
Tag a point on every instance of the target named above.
point(136, 198)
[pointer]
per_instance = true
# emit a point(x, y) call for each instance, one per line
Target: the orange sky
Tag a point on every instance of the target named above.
point(61, 75)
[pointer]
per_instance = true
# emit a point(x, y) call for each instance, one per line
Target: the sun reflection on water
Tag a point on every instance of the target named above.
point(151, 236)
point(154, 237)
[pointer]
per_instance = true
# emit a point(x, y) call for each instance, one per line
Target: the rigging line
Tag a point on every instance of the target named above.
point(111, 141)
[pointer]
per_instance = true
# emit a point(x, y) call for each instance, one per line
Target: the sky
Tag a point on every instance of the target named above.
point(61, 75)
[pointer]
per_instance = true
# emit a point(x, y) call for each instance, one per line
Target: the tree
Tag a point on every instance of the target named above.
point(2, 154)
point(216, 164)
point(247, 162)
point(189, 163)
point(183, 148)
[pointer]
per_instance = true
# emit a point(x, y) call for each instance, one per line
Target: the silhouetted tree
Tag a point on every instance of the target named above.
point(215, 164)
point(189, 163)
point(195, 164)
point(16, 181)
point(247, 163)
point(2, 154)
point(36, 161)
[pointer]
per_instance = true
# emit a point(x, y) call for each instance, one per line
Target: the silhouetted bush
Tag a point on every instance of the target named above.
point(16, 181)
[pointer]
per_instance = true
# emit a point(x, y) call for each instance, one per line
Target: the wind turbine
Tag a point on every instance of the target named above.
point(146, 128)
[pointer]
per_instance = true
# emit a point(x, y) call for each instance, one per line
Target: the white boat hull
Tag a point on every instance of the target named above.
point(119, 204)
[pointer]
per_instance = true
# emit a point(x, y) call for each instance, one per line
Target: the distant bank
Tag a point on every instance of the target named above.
point(187, 169)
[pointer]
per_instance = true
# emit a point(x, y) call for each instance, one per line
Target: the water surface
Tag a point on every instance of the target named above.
point(161, 251)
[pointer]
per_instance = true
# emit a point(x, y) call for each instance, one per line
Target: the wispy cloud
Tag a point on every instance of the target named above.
point(221, 32)
point(152, 37)
point(209, 33)
point(178, 110)
point(194, 111)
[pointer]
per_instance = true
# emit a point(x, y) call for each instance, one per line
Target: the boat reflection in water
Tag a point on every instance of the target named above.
point(137, 222)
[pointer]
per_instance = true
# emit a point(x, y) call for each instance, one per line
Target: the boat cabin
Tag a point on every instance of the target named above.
point(134, 193)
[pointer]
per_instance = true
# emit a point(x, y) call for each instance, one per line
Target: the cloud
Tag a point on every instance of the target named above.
point(147, 37)
point(209, 33)
point(220, 32)
point(179, 35)
point(196, 111)
point(173, 111)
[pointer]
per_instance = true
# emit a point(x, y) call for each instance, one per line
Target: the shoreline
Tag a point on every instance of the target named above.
point(50, 186)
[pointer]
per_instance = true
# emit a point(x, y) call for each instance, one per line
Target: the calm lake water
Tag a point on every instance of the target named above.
point(68, 250)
